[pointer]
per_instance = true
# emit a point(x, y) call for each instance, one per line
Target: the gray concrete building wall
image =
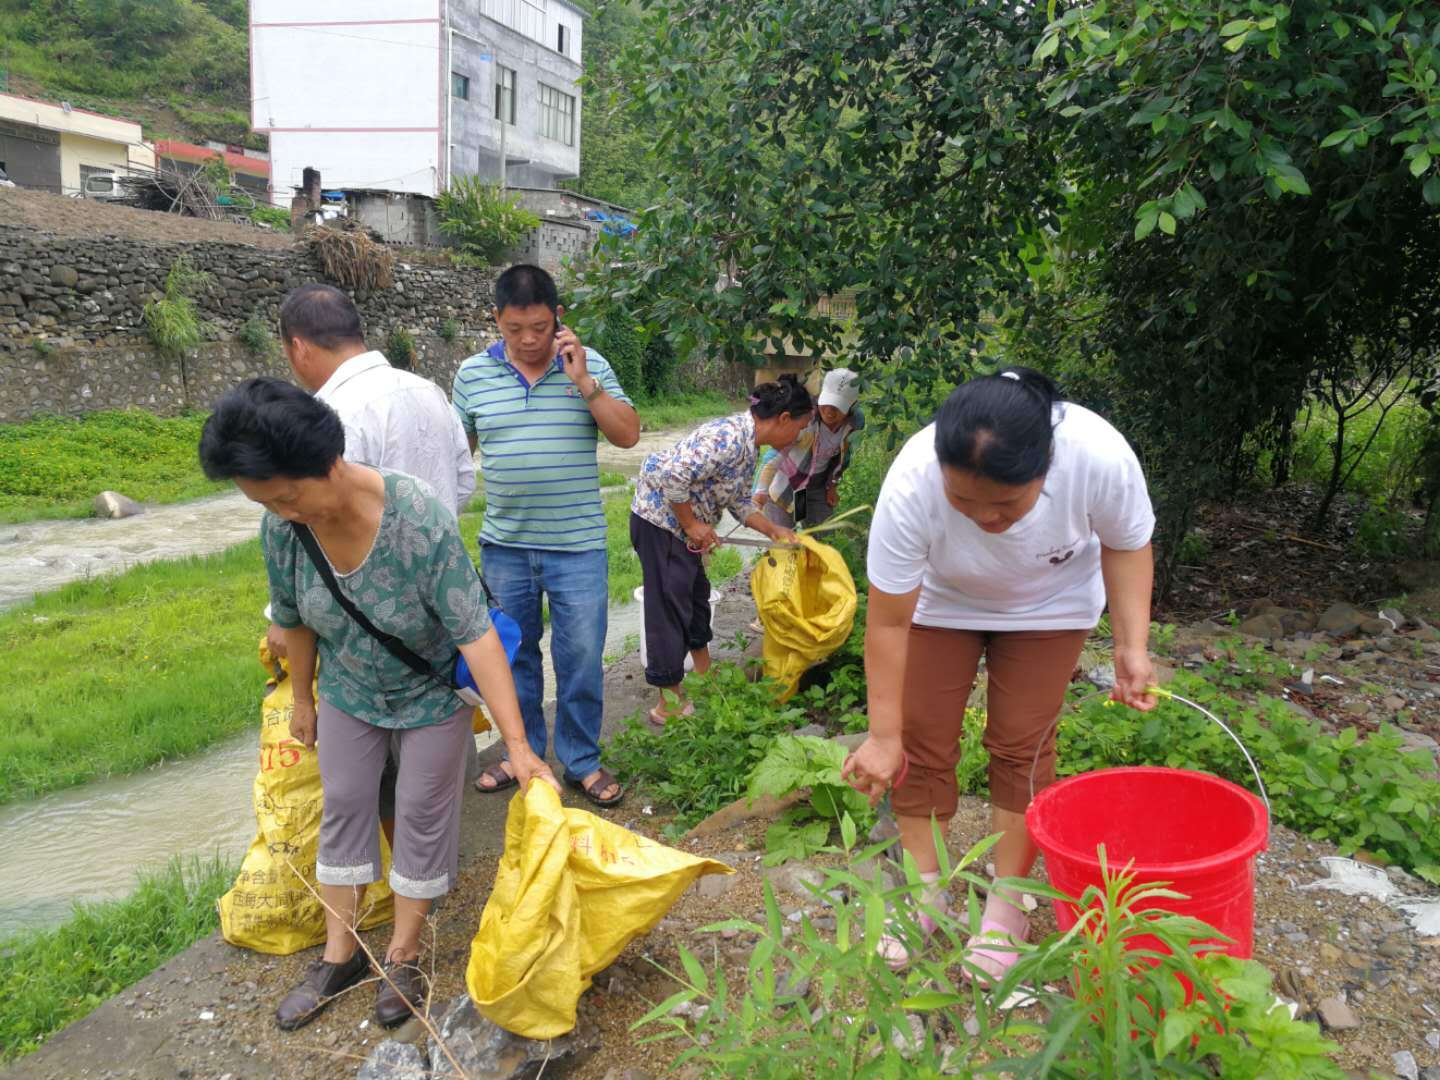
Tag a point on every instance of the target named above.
point(479, 47)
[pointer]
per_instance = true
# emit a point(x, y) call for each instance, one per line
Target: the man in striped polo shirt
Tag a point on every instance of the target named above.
point(533, 403)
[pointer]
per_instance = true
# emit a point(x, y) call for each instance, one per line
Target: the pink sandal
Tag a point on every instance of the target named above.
point(995, 959)
point(658, 715)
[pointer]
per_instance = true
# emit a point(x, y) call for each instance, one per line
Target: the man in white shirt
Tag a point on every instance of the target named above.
point(393, 420)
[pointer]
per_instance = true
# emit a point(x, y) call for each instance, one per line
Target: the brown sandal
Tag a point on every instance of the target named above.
point(502, 780)
point(602, 781)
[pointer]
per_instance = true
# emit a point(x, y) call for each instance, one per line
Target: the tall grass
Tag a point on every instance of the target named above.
point(51, 978)
point(114, 674)
point(54, 467)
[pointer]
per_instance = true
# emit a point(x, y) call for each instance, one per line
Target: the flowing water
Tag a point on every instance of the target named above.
point(87, 843)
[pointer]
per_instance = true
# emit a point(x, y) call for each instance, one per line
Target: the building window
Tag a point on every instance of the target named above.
point(562, 39)
point(460, 86)
point(504, 94)
point(557, 115)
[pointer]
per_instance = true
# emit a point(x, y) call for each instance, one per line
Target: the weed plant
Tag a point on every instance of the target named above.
point(51, 978)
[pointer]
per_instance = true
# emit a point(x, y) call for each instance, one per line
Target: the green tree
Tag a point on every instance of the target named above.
point(1209, 211)
point(614, 153)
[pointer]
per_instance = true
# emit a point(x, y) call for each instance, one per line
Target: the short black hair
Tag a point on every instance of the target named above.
point(786, 395)
point(1001, 426)
point(266, 428)
point(321, 315)
point(525, 286)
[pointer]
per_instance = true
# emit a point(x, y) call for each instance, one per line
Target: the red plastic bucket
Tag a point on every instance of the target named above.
point(1195, 831)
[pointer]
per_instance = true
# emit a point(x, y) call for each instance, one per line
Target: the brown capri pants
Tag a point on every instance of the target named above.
point(1029, 671)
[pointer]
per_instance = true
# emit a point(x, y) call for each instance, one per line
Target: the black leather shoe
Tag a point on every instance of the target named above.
point(401, 993)
point(322, 983)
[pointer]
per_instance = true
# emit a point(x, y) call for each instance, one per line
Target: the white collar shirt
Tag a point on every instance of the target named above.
point(398, 421)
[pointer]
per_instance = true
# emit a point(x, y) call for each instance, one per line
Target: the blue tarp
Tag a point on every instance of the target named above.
point(613, 224)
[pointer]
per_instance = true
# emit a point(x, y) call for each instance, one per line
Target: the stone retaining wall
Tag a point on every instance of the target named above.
point(72, 336)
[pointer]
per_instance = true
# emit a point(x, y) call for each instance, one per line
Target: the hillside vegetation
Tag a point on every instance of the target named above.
point(181, 67)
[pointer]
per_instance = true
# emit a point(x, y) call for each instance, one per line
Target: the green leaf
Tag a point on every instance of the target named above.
point(693, 969)
point(1146, 225)
point(847, 832)
point(1236, 26)
point(1236, 43)
point(1335, 137)
point(928, 1000)
point(1167, 223)
point(1047, 47)
point(1419, 163)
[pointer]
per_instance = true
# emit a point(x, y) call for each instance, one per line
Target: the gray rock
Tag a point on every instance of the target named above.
point(1394, 617)
point(1267, 626)
point(393, 1060)
point(1406, 1067)
point(797, 879)
point(111, 504)
point(1341, 620)
point(1375, 627)
point(813, 730)
point(1336, 1015)
point(1432, 1040)
point(713, 886)
point(485, 1051)
point(909, 1036)
point(1431, 1072)
point(65, 276)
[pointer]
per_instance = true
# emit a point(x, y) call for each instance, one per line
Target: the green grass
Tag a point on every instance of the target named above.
point(613, 479)
point(686, 410)
point(117, 673)
point(114, 674)
point(51, 978)
point(54, 467)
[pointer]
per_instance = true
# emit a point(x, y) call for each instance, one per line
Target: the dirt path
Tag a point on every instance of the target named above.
point(85, 219)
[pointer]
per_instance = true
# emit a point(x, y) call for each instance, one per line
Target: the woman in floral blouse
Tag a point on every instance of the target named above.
point(394, 552)
point(681, 495)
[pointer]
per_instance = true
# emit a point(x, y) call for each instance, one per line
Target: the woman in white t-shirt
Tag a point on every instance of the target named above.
point(1002, 530)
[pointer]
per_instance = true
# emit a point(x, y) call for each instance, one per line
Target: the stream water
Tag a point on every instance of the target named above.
point(87, 842)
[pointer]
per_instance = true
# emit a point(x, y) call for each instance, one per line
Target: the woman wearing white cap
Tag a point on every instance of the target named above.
point(800, 484)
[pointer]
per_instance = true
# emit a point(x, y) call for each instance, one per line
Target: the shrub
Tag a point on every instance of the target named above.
point(400, 348)
point(481, 220)
point(274, 217)
point(173, 321)
point(659, 363)
point(619, 343)
point(257, 335)
point(449, 331)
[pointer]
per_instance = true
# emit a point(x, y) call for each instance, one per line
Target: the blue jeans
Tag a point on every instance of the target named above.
point(577, 586)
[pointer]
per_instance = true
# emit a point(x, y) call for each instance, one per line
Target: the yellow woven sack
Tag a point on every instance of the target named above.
point(269, 909)
point(806, 599)
point(571, 892)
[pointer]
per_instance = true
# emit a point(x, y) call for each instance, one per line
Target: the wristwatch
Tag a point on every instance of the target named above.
point(593, 394)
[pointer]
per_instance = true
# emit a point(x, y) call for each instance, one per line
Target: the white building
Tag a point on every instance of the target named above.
point(401, 95)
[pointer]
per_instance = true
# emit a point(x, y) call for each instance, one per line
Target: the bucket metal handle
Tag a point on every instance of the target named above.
point(1169, 695)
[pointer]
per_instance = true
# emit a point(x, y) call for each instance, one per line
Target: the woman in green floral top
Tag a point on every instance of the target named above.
point(396, 555)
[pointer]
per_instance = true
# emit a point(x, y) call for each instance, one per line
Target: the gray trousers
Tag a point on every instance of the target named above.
point(430, 778)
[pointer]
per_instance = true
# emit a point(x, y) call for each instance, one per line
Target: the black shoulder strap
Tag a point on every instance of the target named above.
point(393, 645)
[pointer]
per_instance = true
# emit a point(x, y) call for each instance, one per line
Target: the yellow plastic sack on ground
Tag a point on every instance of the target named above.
point(269, 909)
point(806, 599)
point(571, 892)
